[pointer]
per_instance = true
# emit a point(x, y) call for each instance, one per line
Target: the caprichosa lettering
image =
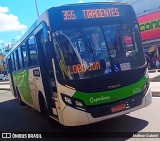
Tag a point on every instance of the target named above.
point(95, 100)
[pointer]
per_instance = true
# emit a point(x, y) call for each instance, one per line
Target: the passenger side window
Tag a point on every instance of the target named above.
point(9, 65)
point(20, 58)
point(25, 55)
point(32, 51)
point(13, 63)
point(16, 59)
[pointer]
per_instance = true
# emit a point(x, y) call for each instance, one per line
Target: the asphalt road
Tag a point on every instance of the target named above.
point(15, 118)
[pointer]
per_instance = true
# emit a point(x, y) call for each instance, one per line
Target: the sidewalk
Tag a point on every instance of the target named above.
point(154, 76)
point(3, 82)
point(4, 85)
point(155, 88)
point(154, 70)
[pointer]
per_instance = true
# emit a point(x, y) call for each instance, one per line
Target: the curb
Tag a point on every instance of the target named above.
point(8, 89)
point(4, 83)
point(152, 71)
point(155, 94)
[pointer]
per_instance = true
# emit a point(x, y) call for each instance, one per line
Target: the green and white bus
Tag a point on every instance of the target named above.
point(81, 63)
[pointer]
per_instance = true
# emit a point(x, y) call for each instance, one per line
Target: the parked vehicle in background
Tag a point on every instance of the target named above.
point(3, 77)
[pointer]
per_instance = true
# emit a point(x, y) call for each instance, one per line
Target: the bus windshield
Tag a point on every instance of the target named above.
point(94, 51)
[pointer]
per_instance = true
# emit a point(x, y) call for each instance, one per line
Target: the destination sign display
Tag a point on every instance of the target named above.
point(81, 68)
point(90, 13)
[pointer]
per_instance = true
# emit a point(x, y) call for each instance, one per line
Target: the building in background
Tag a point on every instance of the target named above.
point(2, 64)
point(4, 49)
point(148, 14)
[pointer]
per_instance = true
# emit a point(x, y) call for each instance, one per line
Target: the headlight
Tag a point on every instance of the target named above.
point(73, 102)
point(79, 104)
point(68, 100)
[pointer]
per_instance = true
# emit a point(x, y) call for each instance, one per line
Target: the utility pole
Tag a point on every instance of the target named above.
point(37, 8)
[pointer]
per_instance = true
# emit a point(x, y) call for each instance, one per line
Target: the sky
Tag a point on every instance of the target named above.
point(16, 16)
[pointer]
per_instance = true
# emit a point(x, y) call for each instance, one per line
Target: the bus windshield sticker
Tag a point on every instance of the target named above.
point(112, 53)
point(36, 73)
point(117, 68)
point(108, 70)
point(108, 64)
point(125, 66)
point(90, 13)
point(81, 68)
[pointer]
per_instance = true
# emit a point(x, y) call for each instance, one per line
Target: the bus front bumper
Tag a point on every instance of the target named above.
point(74, 117)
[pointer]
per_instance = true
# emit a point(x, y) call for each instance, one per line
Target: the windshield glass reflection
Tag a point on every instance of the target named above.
point(95, 51)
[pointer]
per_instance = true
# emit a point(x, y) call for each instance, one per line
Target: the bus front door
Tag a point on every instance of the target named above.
point(45, 59)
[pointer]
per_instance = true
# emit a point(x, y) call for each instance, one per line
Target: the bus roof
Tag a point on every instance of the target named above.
point(90, 3)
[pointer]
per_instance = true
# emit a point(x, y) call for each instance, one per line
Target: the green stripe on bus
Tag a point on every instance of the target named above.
point(21, 79)
point(112, 95)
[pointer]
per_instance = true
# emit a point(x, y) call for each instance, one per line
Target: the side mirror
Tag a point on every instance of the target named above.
point(46, 35)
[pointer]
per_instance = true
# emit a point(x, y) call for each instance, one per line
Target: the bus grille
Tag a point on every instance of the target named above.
point(104, 84)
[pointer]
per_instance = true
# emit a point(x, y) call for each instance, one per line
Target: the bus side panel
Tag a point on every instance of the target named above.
point(22, 83)
point(36, 86)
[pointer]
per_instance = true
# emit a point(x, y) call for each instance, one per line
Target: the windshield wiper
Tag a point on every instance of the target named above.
point(87, 43)
point(119, 42)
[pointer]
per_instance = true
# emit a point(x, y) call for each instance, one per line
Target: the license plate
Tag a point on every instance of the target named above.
point(118, 108)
